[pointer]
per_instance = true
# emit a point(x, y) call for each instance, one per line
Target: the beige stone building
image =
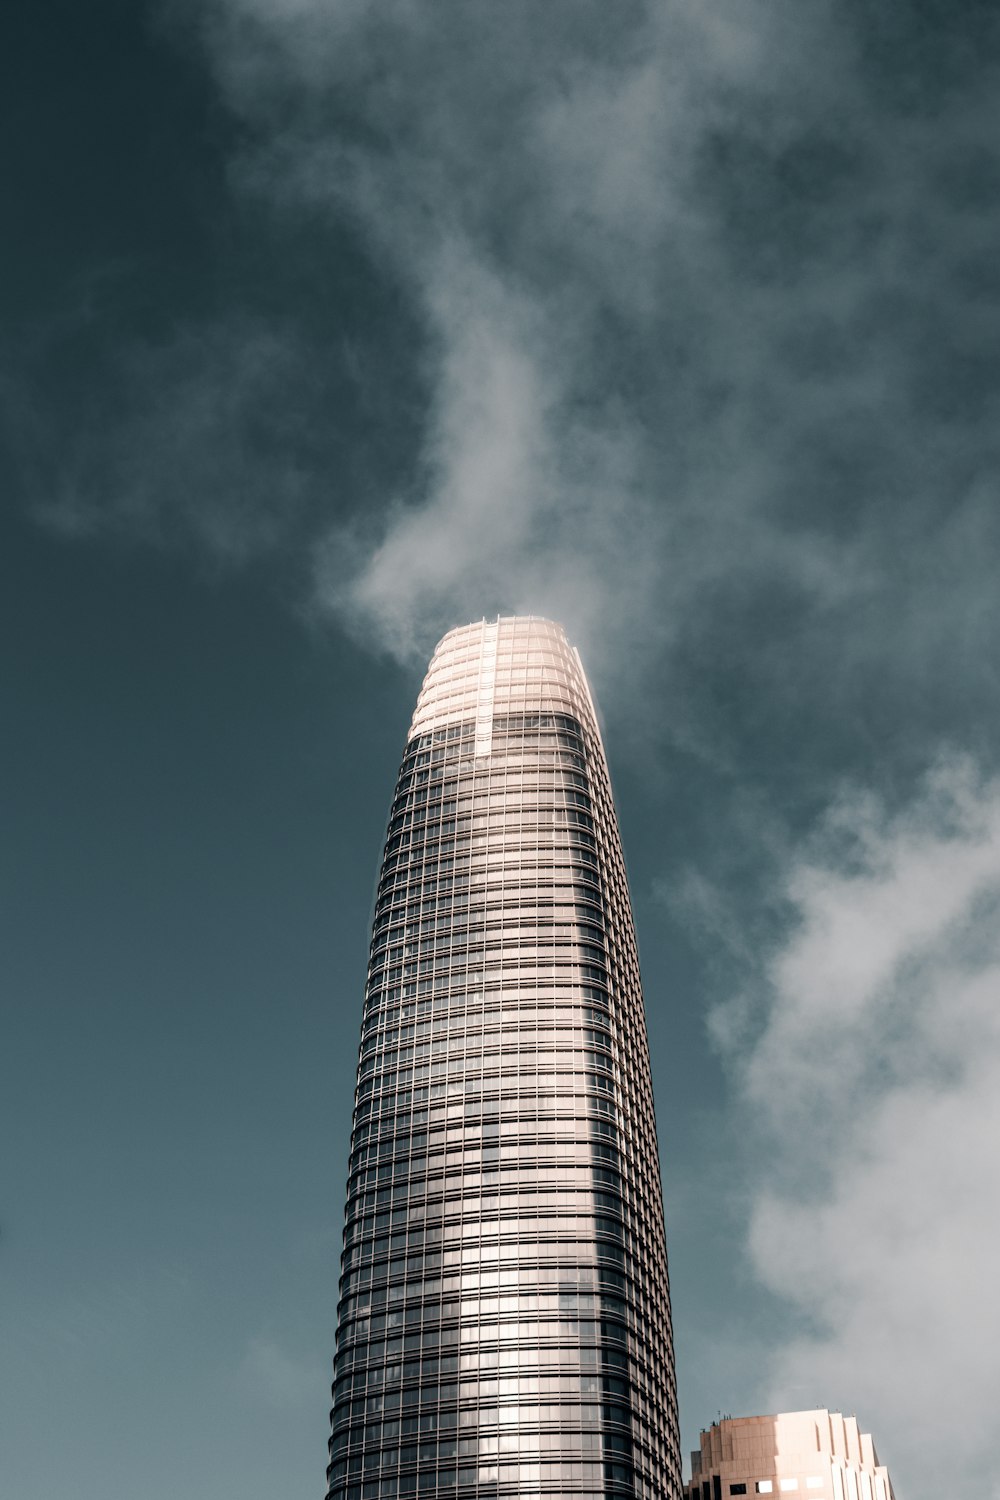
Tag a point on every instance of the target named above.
point(813, 1455)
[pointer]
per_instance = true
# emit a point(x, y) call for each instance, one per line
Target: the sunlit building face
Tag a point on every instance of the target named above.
point(504, 1323)
point(801, 1455)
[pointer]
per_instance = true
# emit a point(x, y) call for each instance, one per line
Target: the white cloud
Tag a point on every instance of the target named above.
point(874, 1091)
point(669, 264)
point(671, 279)
point(485, 452)
point(532, 178)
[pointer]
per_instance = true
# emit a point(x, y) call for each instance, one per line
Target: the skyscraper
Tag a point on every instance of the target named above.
point(814, 1455)
point(504, 1321)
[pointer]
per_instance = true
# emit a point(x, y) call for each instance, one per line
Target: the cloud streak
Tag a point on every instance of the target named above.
point(679, 272)
point(873, 1083)
point(702, 320)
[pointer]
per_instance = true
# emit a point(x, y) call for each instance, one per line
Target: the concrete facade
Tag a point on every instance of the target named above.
point(817, 1455)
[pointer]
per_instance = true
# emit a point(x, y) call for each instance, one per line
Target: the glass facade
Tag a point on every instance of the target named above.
point(504, 1317)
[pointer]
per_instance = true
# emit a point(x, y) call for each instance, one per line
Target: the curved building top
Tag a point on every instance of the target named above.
point(479, 670)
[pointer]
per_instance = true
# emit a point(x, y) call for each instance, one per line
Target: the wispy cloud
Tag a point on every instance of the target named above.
point(697, 293)
point(871, 1076)
point(701, 316)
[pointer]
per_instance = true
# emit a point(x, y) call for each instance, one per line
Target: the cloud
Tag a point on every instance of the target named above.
point(486, 451)
point(533, 187)
point(696, 307)
point(871, 1086)
point(696, 291)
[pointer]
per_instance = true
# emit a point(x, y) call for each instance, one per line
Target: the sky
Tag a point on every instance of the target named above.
point(328, 326)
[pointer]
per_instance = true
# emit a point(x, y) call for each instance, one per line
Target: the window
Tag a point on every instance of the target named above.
point(737, 1489)
point(789, 1484)
point(764, 1486)
point(814, 1482)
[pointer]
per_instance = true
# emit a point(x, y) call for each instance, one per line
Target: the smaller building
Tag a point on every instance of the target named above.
point(815, 1455)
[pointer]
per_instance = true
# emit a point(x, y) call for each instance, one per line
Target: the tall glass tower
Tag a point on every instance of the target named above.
point(504, 1319)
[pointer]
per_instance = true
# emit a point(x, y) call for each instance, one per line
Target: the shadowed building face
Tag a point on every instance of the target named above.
point(504, 1323)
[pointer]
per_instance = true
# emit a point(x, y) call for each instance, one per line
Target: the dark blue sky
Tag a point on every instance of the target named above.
point(328, 327)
